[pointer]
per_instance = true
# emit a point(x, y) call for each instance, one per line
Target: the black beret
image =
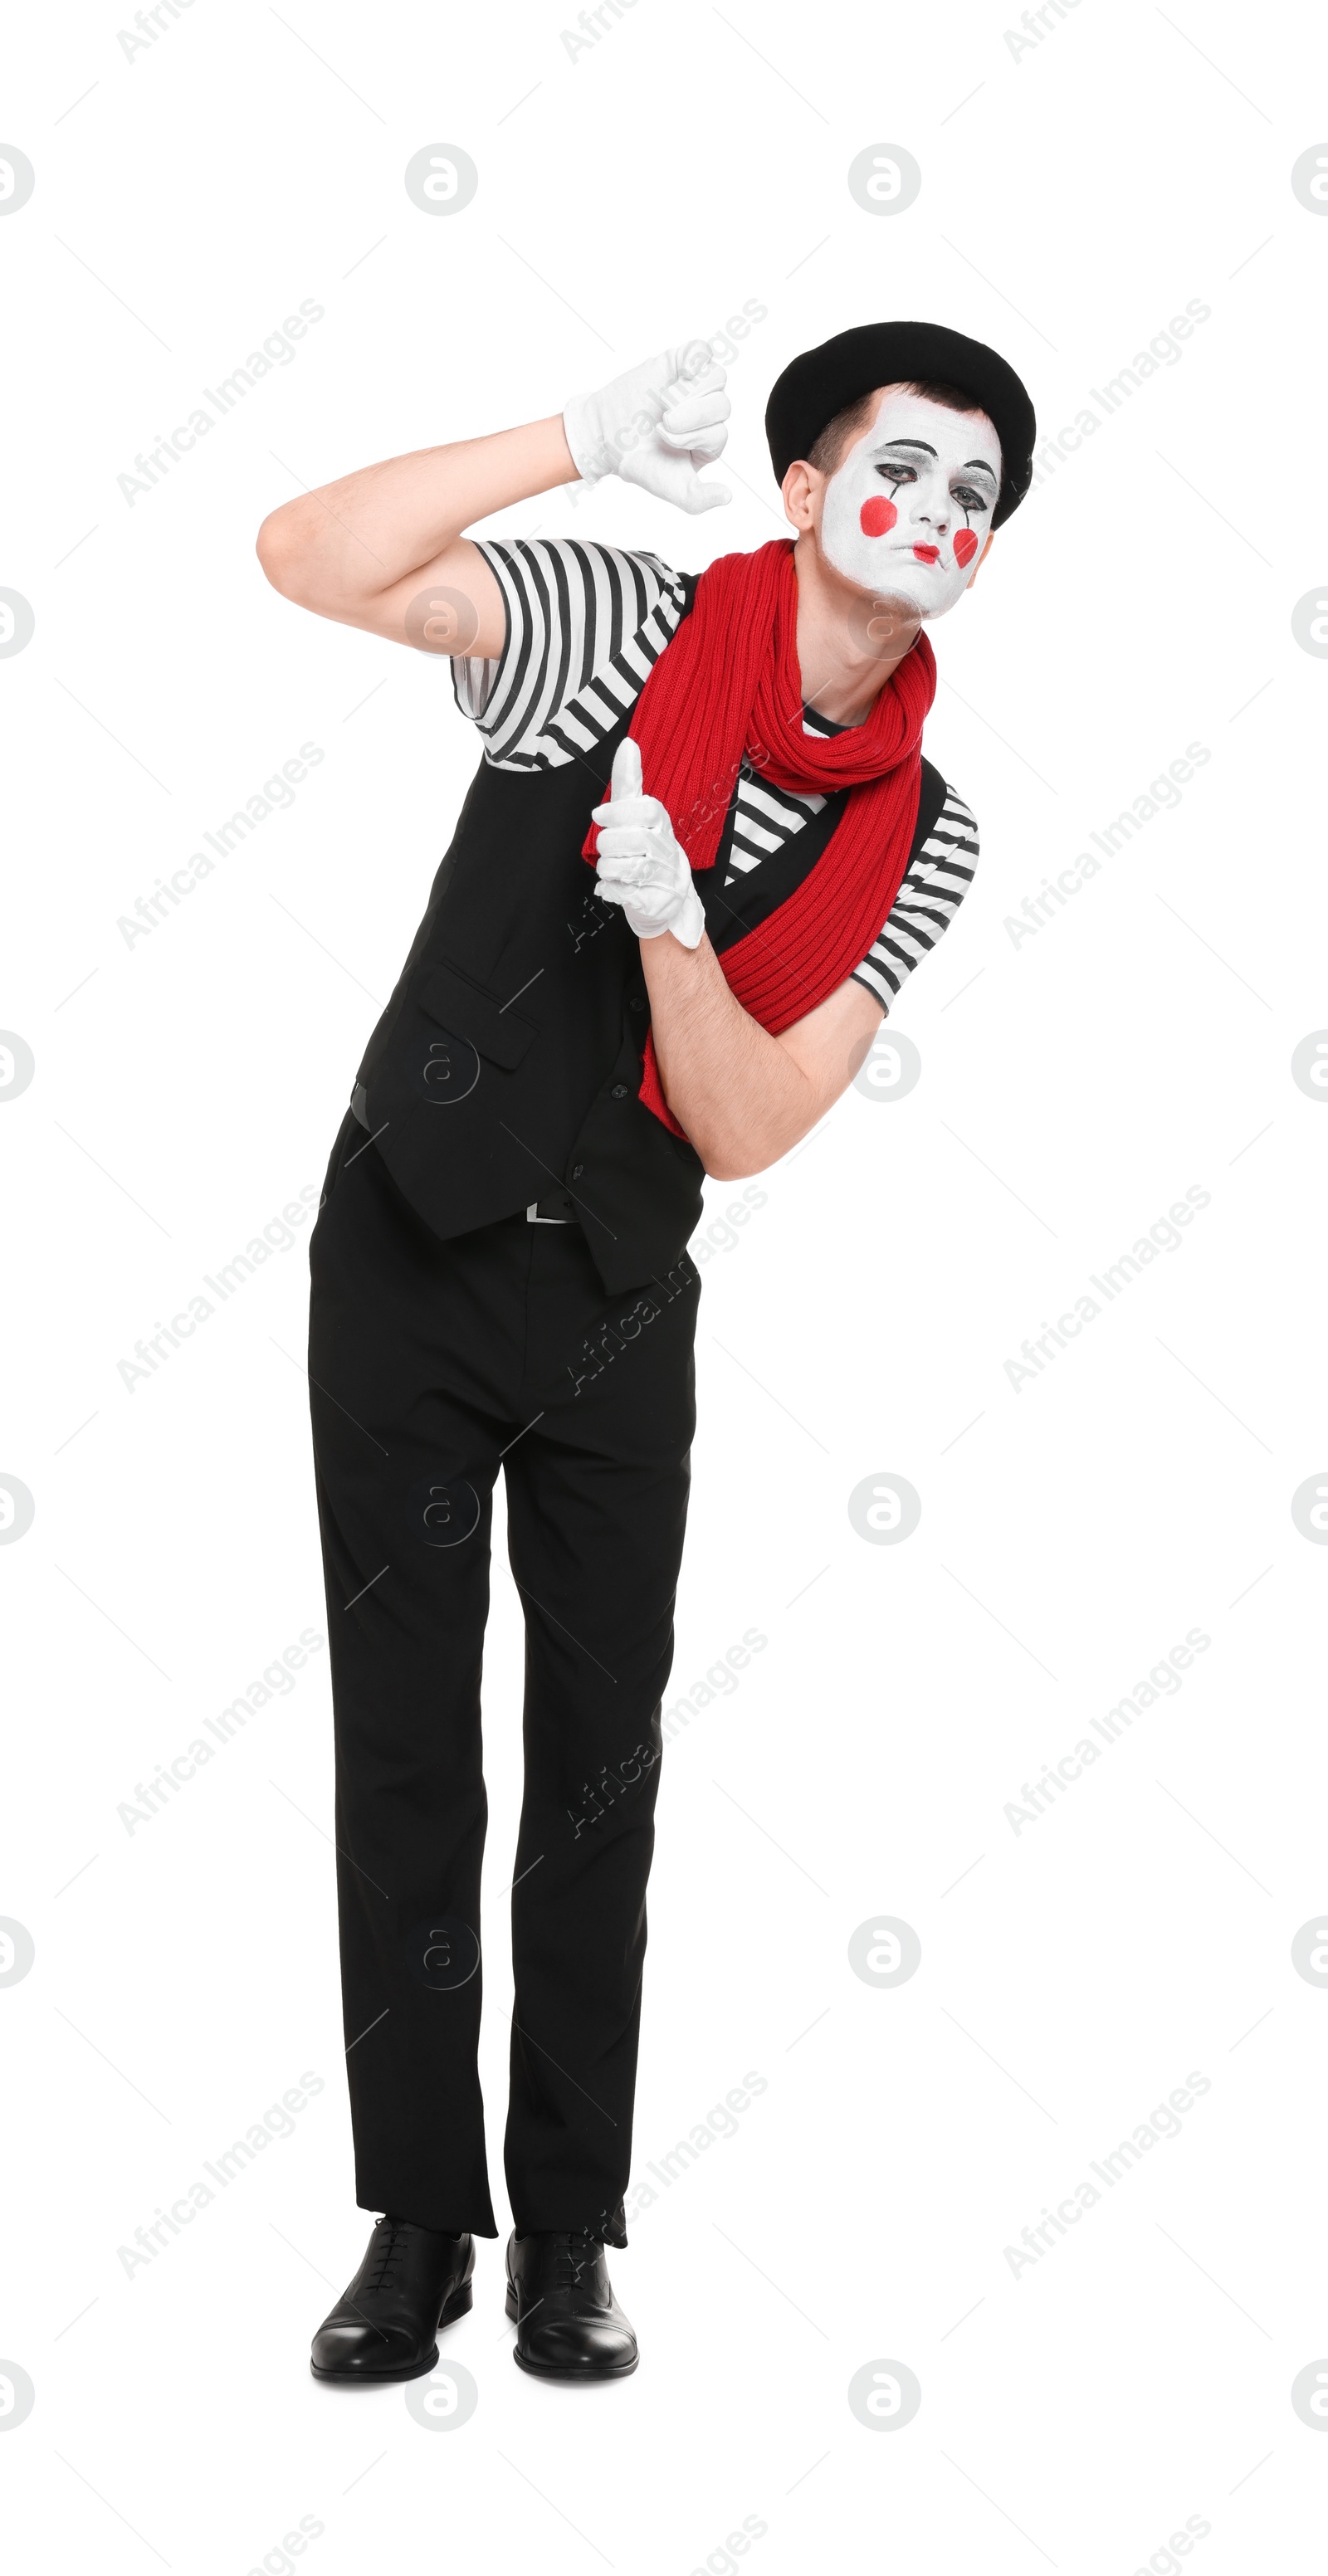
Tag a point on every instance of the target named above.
point(824, 381)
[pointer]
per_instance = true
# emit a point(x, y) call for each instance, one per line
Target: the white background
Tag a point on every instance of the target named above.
point(1075, 196)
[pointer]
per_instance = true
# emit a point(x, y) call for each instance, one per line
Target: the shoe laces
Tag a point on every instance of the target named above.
point(574, 2252)
point(391, 2237)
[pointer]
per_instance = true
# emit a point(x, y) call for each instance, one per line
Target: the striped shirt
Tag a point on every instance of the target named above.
point(586, 624)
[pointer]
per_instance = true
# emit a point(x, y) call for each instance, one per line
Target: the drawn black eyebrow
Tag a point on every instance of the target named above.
point(975, 464)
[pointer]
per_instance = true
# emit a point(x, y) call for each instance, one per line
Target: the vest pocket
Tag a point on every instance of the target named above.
point(488, 1024)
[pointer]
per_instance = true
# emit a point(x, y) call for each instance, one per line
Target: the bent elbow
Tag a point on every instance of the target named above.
point(729, 1157)
point(729, 1166)
point(720, 1157)
point(279, 554)
point(724, 1155)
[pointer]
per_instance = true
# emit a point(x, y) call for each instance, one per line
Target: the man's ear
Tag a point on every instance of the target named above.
point(801, 490)
point(981, 558)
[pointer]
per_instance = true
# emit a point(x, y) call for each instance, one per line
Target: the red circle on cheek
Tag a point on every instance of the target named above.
point(966, 546)
point(877, 516)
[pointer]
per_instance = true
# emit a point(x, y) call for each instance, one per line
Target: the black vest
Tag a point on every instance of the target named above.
point(506, 1065)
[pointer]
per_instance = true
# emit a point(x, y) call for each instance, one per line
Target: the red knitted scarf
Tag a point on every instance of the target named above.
point(729, 684)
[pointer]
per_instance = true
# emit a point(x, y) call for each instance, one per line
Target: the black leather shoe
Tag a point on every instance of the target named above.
point(568, 2323)
point(411, 2282)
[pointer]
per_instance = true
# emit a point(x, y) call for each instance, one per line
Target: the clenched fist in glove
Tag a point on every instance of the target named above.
point(656, 426)
point(640, 863)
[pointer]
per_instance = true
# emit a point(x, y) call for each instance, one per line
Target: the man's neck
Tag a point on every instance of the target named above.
point(848, 644)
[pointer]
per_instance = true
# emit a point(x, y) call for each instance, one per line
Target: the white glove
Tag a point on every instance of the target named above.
point(656, 426)
point(639, 861)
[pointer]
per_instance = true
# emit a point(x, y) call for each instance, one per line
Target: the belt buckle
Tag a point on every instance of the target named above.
point(533, 1216)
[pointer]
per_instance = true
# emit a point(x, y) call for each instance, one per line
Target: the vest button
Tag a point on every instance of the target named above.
point(577, 1170)
point(636, 1003)
point(619, 1091)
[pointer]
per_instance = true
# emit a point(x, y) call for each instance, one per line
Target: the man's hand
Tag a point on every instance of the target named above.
point(656, 426)
point(639, 861)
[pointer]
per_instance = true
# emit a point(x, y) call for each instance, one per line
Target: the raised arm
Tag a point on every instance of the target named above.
point(362, 549)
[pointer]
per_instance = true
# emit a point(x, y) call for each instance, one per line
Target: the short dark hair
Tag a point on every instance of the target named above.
point(827, 451)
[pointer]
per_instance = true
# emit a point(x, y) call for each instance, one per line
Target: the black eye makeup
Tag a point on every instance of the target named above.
point(896, 470)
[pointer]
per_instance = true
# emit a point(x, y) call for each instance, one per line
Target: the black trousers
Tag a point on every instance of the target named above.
point(430, 1364)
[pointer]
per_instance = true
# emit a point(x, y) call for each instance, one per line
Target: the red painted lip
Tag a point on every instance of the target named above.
point(927, 554)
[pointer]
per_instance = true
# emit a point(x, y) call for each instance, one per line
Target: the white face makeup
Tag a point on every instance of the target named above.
point(908, 511)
